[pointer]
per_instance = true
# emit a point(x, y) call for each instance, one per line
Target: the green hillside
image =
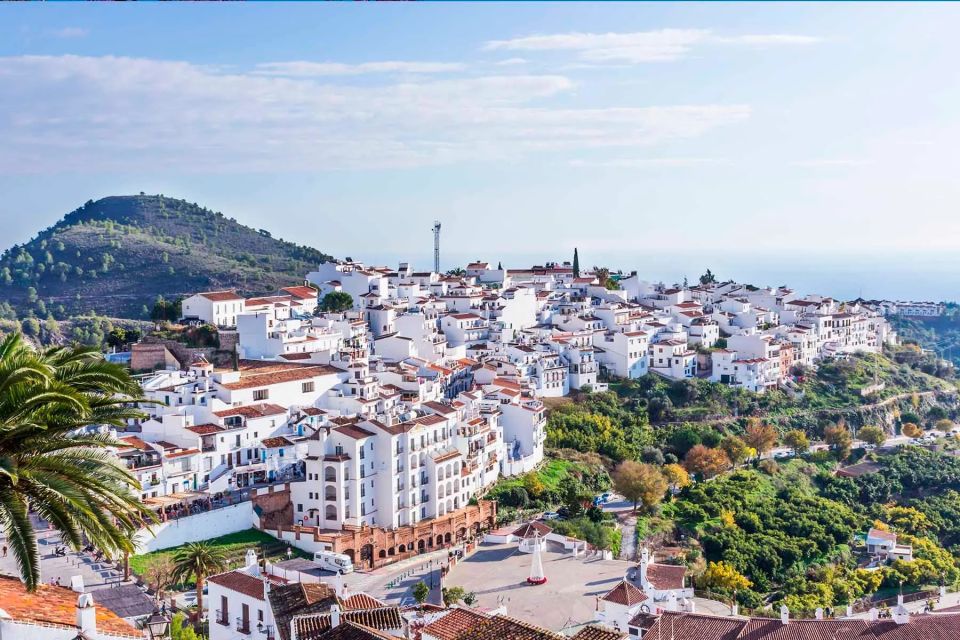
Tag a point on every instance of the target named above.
point(116, 255)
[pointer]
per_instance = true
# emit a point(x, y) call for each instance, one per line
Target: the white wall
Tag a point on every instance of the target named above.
point(202, 526)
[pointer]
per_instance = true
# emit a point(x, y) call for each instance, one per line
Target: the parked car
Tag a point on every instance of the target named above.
point(550, 515)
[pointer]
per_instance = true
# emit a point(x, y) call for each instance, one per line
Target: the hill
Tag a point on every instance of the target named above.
point(118, 254)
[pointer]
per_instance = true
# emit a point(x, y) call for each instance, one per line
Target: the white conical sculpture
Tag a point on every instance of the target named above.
point(536, 566)
point(338, 587)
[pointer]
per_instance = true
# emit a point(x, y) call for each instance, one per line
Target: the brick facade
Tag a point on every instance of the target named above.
point(372, 547)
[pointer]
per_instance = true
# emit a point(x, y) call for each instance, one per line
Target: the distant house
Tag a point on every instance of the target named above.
point(884, 545)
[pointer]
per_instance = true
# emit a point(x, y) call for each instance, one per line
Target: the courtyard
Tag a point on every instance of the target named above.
point(497, 574)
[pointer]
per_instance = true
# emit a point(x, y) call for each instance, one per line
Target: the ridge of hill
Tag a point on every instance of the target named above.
point(118, 254)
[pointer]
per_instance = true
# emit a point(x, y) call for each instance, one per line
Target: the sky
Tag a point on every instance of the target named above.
point(766, 130)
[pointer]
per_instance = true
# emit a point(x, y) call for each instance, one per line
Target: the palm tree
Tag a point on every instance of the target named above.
point(50, 464)
point(198, 560)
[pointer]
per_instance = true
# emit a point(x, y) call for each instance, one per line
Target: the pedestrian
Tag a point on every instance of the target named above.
point(4, 551)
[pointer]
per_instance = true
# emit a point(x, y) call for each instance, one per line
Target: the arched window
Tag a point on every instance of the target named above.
point(330, 474)
point(330, 493)
point(331, 512)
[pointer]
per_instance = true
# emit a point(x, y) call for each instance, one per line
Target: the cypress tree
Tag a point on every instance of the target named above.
point(576, 263)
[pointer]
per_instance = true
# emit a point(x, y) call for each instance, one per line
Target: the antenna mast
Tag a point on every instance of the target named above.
point(436, 246)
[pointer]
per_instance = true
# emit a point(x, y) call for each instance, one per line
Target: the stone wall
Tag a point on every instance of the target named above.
point(148, 357)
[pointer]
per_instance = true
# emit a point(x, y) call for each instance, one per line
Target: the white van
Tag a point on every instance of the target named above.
point(333, 561)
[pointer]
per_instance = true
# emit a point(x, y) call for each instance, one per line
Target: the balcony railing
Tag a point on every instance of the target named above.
point(243, 626)
point(222, 617)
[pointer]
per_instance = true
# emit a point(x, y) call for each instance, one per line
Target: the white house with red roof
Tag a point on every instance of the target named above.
point(219, 308)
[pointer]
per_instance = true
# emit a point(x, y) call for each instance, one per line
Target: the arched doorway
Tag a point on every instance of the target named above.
point(461, 533)
point(447, 537)
point(439, 541)
point(421, 545)
point(381, 554)
point(366, 555)
point(350, 554)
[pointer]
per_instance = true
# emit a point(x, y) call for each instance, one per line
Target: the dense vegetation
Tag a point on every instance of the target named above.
point(118, 254)
point(940, 334)
point(773, 531)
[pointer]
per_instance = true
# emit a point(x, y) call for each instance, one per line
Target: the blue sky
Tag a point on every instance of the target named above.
point(527, 129)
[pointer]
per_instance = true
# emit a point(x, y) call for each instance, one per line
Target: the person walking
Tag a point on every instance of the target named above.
point(4, 551)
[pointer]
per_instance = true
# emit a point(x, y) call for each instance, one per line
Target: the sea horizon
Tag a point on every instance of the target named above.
point(886, 275)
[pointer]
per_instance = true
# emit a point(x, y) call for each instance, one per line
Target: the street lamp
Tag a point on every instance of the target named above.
point(157, 625)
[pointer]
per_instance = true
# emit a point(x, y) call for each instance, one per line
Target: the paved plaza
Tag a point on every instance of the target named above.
point(497, 574)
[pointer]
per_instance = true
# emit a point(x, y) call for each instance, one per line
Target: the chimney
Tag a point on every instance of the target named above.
point(784, 615)
point(86, 615)
point(874, 614)
point(644, 561)
point(252, 565)
point(334, 616)
point(849, 611)
point(901, 615)
point(818, 614)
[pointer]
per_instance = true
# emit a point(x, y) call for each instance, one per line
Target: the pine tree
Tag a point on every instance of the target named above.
point(576, 263)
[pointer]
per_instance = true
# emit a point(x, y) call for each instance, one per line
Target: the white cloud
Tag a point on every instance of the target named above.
point(646, 163)
point(70, 32)
point(770, 39)
point(662, 45)
point(305, 69)
point(817, 163)
point(509, 62)
point(79, 113)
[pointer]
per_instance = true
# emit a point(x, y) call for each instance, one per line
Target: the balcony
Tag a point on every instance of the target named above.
point(243, 626)
point(222, 618)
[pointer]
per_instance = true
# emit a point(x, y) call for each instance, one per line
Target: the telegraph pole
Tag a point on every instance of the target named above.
point(436, 246)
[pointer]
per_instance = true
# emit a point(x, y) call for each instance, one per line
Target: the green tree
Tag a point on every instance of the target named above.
point(198, 560)
point(640, 483)
point(576, 263)
point(420, 592)
point(453, 595)
point(50, 466)
point(839, 438)
point(797, 440)
point(336, 302)
point(708, 278)
point(761, 437)
point(180, 629)
point(117, 337)
point(722, 575)
point(706, 461)
point(873, 435)
point(736, 449)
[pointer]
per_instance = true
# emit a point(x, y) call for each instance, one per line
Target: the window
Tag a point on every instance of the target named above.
point(299, 508)
point(260, 394)
point(308, 387)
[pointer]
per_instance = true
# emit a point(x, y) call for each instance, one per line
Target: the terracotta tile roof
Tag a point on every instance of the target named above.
point(455, 623)
point(301, 292)
point(666, 576)
point(527, 530)
point(220, 296)
point(693, 627)
point(240, 582)
point(353, 431)
point(180, 454)
point(51, 605)
point(880, 534)
point(314, 626)
point(256, 373)
point(252, 411)
point(273, 443)
point(505, 628)
point(133, 442)
point(353, 631)
point(205, 429)
point(297, 599)
point(626, 594)
point(598, 632)
point(362, 601)
point(762, 629)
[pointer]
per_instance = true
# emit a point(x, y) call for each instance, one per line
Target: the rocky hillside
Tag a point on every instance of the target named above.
point(115, 256)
